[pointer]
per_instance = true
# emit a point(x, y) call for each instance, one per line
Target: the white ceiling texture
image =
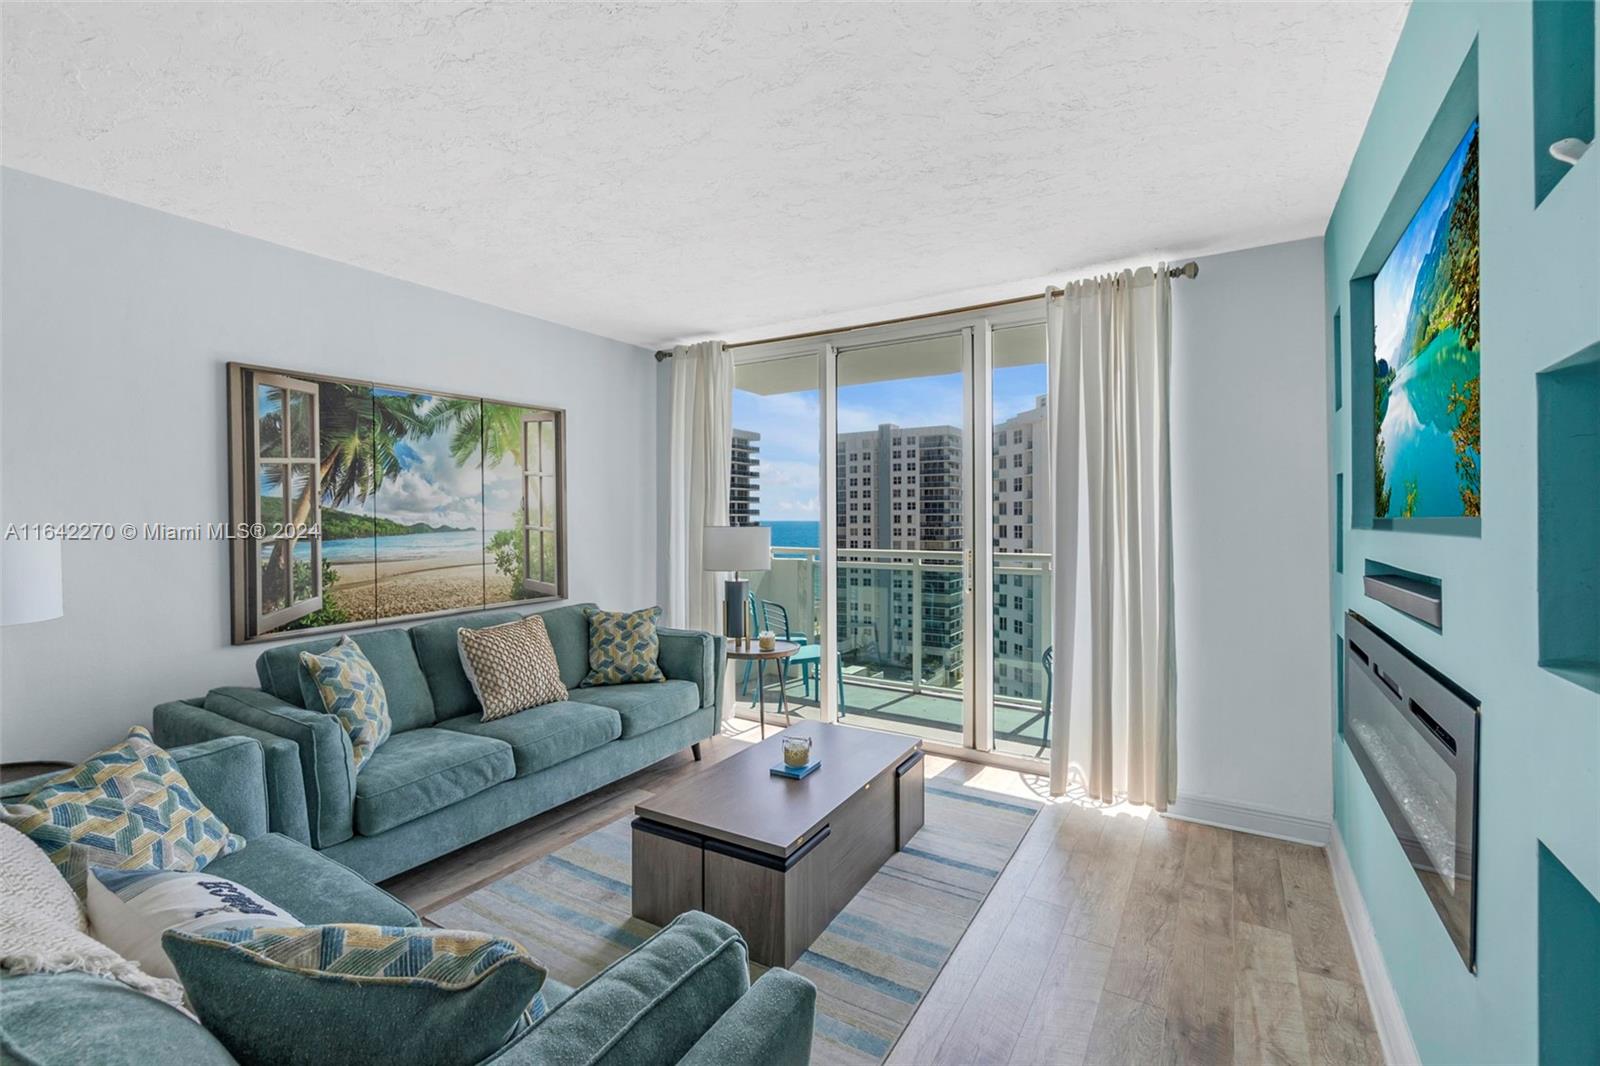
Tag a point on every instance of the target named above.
point(665, 172)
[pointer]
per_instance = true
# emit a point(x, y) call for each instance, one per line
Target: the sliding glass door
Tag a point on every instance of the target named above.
point(1019, 539)
point(776, 481)
point(904, 473)
point(902, 534)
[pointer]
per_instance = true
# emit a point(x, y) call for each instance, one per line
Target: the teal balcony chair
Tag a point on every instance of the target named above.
point(772, 615)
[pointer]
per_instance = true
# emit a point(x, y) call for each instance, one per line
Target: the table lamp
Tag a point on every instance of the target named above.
point(30, 581)
point(732, 549)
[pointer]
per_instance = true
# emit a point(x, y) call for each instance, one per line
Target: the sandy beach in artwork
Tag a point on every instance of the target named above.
point(391, 588)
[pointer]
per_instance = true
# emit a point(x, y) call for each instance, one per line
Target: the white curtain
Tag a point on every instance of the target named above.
point(697, 491)
point(1110, 344)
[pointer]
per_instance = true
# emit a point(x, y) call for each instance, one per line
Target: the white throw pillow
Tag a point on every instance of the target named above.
point(42, 924)
point(130, 909)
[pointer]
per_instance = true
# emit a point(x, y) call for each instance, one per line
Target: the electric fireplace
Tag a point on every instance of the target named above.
point(1414, 733)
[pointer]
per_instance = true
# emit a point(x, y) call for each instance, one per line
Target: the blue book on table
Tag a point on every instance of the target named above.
point(796, 772)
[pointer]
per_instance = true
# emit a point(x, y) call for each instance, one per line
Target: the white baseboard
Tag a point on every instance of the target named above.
point(1393, 1032)
point(1209, 810)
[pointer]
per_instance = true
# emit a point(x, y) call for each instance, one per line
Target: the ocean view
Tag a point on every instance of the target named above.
point(794, 534)
point(402, 546)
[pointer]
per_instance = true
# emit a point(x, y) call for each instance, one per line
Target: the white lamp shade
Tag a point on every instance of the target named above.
point(735, 548)
point(30, 581)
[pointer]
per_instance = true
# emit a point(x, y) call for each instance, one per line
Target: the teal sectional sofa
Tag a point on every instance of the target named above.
point(445, 778)
point(683, 996)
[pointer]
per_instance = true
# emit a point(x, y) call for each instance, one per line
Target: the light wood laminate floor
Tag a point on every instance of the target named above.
point(1114, 935)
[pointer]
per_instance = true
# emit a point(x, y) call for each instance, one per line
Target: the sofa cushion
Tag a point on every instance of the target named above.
point(391, 654)
point(343, 682)
point(439, 657)
point(423, 771)
point(623, 646)
point(130, 909)
point(66, 1019)
point(512, 667)
point(547, 735)
point(644, 706)
point(358, 993)
point(306, 883)
point(569, 635)
point(127, 807)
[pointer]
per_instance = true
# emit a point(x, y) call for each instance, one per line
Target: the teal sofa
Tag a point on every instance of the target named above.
point(683, 996)
point(445, 778)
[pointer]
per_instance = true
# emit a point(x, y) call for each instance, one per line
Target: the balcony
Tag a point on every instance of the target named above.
point(905, 672)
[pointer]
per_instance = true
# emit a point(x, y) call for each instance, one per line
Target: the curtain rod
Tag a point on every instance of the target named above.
point(1191, 269)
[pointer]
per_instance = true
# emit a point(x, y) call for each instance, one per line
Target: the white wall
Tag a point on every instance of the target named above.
point(118, 321)
point(1251, 523)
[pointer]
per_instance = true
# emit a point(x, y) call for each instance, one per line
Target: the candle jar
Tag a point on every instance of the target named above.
point(796, 751)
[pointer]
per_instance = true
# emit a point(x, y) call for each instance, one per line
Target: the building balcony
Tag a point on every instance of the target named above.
point(905, 672)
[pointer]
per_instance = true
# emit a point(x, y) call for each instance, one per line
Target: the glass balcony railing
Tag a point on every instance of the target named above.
point(903, 669)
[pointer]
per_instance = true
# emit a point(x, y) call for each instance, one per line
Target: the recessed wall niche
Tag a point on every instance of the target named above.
point(1563, 85)
point(1569, 518)
point(1338, 360)
point(1422, 475)
point(1569, 965)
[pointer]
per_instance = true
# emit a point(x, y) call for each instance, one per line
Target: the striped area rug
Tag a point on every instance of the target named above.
point(871, 966)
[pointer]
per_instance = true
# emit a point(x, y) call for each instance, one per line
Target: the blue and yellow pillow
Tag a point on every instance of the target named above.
point(343, 682)
point(623, 646)
point(127, 807)
point(358, 993)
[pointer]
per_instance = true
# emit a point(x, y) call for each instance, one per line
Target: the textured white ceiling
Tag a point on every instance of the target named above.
point(663, 172)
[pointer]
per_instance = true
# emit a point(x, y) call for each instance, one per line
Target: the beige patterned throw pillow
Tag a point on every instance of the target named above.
point(512, 667)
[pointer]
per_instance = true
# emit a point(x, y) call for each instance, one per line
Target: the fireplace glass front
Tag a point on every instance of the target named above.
point(1415, 736)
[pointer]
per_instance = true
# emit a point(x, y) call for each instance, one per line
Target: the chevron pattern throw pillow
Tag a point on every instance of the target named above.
point(352, 690)
point(511, 667)
point(128, 807)
point(623, 646)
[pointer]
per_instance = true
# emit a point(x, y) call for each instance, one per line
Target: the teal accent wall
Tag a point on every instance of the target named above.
point(1540, 301)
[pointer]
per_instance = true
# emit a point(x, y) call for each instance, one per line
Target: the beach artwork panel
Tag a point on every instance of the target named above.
point(372, 503)
point(1427, 451)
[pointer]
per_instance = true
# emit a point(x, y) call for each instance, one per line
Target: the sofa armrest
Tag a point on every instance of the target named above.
point(690, 655)
point(188, 722)
point(327, 768)
point(229, 775)
point(652, 1005)
point(770, 1026)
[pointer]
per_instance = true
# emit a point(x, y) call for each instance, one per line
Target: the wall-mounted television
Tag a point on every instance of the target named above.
point(1427, 456)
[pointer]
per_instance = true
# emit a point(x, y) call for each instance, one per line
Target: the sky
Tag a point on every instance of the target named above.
point(432, 489)
point(1393, 288)
point(789, 424)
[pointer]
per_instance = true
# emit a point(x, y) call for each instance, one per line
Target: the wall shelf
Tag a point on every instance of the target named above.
point(1563, 85)
point(1569, 518)
point(1414, 595)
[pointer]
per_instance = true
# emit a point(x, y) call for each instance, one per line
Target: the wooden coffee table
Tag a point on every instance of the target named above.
point(773, 857)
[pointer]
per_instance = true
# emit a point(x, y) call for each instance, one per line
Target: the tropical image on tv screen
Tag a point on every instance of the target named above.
point(1425, 374)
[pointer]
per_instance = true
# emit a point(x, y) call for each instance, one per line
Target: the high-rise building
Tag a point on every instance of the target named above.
point(744, 479)
point(899, 487)
point(1020, 523)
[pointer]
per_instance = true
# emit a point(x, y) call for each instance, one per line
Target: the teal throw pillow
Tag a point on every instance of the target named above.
point(358, 994)
point(344, 683)
point(623, 646)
